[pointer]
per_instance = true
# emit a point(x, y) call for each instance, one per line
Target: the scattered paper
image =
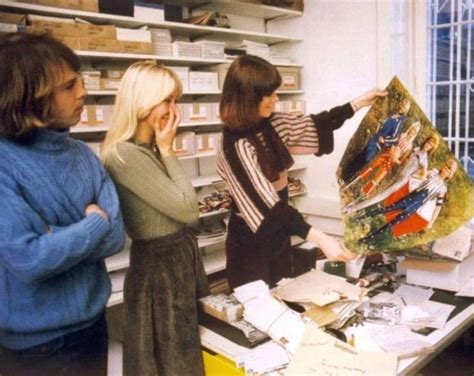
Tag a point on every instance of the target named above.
point(319, 288)
point(413, 295)
point(400, 340)
point(456, 245)
point(321, 354)
point(264, 358)
point(437, 315)
point(467, 289)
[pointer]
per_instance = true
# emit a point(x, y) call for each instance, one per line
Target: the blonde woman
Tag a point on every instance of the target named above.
point(166, 275)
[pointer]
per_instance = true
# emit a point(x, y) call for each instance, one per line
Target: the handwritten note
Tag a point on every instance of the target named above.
point(321, 354)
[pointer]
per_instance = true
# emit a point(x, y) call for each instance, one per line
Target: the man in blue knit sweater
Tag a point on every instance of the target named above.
point(59, 217)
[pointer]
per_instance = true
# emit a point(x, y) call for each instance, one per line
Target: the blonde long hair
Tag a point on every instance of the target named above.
point(144, 86)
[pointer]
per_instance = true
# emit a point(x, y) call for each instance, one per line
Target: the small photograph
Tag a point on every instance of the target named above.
point(400, 185)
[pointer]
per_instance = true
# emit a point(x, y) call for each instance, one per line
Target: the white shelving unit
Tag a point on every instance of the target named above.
point(104, 128)
point(103, 93)
point(203, 181)
point(247, 9)
point(213, 262)
point(181, 29)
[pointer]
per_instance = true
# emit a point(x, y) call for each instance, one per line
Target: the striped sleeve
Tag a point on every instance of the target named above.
point(311, 134)
point(254, 195)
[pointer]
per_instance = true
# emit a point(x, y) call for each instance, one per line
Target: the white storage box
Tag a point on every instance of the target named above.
point(195, 112)
point(296, 107)
point(221, 70)
point(215, 113)
point(133, 35)
point(149, 12)
point(183, 143)
point(206, 142)
point(445, 275)
point(186, 49)
point(211, 49)
point(183, 74)
point(201, 82)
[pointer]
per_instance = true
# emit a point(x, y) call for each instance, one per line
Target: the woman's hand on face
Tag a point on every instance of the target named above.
point(164, 135)
point(367, 99)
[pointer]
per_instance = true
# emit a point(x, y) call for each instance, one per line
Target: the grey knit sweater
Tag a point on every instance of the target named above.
point(156, 196)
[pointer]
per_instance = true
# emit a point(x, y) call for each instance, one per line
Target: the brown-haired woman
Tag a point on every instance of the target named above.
point(254, 161)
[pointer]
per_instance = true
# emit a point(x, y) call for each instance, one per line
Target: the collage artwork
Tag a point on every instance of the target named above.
point(400, 185)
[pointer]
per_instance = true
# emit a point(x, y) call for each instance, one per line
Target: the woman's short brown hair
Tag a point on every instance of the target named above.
point(30, 67)
point(248, 80)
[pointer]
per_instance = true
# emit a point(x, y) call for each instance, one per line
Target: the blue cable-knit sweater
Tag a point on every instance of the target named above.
point(53, 279)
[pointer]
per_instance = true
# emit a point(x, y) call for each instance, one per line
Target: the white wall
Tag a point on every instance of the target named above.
point(339, 53)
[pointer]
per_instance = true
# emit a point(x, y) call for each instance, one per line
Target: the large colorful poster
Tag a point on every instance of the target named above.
point(400, 185)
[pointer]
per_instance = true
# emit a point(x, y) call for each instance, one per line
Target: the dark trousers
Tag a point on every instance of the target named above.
point(76, 354)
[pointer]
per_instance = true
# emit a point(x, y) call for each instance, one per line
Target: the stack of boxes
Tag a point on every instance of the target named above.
point(84, 36)
point(95, 115)
point(86, 5)
point(161, 42)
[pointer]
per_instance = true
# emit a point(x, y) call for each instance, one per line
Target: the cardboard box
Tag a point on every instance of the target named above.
point(96, 31)
point(290, 78)
point(134, 47)
point(58, 29)
point(221, 306)
point(94, 115)
point(69, 29)
point(97, 44)
point(183, 143)
point(86, 5)
point(12, 18)
point(203, 82)
point(441, 274)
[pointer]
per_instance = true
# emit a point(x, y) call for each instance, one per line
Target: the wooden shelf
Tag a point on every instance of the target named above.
point(181, 29)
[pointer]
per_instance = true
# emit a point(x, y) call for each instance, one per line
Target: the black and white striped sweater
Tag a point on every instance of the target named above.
point(255, 198)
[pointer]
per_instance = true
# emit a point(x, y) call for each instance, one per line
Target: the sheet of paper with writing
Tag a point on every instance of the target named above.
point(321, 354)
